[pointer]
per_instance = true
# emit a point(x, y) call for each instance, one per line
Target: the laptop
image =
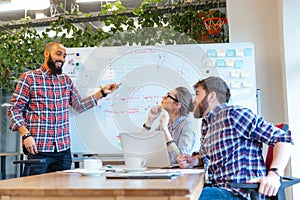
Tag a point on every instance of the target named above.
point(149, 145)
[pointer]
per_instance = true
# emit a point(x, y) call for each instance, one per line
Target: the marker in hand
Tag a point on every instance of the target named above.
point(115, 86)
point(110, 87)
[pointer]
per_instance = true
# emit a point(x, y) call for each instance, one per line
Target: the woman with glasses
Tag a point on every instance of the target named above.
point(177, 125)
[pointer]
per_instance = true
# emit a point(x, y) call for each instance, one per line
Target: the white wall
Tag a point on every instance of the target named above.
point(273, 27)
point(257, 21)
point(291, 31)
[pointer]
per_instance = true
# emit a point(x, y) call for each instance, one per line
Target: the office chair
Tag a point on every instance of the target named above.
point(27, 164)
point(286, 181)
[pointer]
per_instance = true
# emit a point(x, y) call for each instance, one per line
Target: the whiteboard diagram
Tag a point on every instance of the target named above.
point(146, 74)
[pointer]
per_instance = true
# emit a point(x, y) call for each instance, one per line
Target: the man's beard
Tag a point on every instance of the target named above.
point(55, 70)
point(201, 108)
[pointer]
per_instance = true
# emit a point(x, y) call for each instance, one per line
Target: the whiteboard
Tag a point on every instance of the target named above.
point(147, 73)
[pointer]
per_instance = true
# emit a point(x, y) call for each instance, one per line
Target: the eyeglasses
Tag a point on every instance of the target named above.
point(173, 98)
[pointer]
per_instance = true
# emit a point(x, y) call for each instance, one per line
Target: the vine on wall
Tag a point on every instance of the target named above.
point(22, 49)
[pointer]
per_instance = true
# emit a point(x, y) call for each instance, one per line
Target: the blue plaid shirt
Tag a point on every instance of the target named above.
point(232, 140)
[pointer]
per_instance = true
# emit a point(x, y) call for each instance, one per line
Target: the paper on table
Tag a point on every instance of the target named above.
point(182, 171)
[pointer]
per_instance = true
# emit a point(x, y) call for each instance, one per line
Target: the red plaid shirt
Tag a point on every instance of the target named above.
point(41, 103)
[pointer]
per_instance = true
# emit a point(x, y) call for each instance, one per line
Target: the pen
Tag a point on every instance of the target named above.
point(110, 168)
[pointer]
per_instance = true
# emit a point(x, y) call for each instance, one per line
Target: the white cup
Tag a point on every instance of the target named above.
point(92, 164)
point(135, 162)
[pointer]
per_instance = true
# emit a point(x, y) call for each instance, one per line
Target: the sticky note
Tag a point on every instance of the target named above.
point(238, 63)
point(240, 52)
point(230, 53)
point(210, 62)
point(229, 62)
point(220, 63)
point(235, 73)
point(221, 53)
point(212, 53)
point(245, 74)
point(246, 83)
point(248, 52)
point(235, 84)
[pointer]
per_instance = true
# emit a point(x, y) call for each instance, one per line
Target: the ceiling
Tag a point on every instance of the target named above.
point(60, 7)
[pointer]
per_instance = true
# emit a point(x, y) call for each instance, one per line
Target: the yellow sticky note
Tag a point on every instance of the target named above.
point(221, 53)
point(239, 52)
point(210, 63)
point(235, 84)
point(245, 74)
point(229, 62)
point(235, 73)
point(246, 84)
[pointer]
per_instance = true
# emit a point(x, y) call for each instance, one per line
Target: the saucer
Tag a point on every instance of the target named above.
point(140, 169)
point(83, 172)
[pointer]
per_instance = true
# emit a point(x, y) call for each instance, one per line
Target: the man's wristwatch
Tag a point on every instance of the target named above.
point(26, 135)
point(276, 171)
point(103, 93)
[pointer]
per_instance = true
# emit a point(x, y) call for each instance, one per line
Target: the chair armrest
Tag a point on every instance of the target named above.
point(244, 185)
point(288, 181)
point(30, 161)
point(90, 155)
point(252, 188)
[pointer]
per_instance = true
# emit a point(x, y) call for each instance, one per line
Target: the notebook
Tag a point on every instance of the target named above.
point(149, 145)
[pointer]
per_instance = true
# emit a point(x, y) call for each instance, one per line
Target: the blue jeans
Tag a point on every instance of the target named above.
point(55, 161)
point(215, 193)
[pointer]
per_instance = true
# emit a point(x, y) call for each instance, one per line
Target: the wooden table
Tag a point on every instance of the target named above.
point(73, 186)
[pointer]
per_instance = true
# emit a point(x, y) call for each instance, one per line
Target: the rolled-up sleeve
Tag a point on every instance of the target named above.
point(18, 102)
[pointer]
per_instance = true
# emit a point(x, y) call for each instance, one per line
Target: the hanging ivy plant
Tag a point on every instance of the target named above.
point(22, 49)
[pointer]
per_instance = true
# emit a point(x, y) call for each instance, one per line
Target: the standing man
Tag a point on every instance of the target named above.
point(39, 110)
point(232, 140)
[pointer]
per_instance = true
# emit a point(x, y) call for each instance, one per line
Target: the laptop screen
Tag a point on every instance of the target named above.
point(149, 145)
